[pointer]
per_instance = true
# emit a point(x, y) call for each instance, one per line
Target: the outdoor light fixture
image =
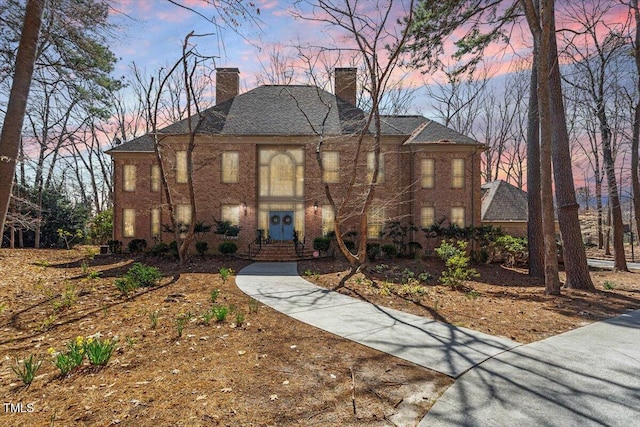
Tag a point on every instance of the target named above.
point(244, 206)
point(315, 207)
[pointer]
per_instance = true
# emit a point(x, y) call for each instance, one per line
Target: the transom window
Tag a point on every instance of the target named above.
point(230, 162)
point(457, 171)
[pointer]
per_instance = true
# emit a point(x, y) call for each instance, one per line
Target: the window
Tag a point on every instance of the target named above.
point(129, 182)
point(428, 173)
point(375, 222)
point(331, 163)
point(231, 213)
point(181, 167)
point(230, 167)
point(327, 219)
point(128, 222)
point(427, 216)
point(183, 214)
point(155, 222)
point(155, 178)
point(457, 169)
point(457, 217)
point(371, 157)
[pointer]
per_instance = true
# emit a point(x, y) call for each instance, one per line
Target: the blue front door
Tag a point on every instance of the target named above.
point(281, 225)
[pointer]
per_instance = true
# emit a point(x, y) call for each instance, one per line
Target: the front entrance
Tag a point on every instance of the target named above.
point(281, 225)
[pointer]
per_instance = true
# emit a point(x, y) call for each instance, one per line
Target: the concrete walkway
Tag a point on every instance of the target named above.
point(439, 346)
point(586, 377)
point(607, 264)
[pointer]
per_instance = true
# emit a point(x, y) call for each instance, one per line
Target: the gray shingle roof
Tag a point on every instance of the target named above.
point(277, 110)
point(502, 201)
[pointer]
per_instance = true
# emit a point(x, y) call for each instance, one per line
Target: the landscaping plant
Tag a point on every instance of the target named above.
point(26, 369)
point(454, 255)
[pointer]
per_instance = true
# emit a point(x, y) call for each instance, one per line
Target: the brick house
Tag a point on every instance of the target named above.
point(255, 166)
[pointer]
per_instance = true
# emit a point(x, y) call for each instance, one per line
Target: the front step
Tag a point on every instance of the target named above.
point(281, 252)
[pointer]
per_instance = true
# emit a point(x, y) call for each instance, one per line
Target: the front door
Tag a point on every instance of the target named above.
point(281, 225)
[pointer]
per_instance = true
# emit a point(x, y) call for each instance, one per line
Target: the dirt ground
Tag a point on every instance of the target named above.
point(269, 371)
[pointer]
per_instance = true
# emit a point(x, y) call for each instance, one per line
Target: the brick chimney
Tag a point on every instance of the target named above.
point(227, 84)
point(345, 84)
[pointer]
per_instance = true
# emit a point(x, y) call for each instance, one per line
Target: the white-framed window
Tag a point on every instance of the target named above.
point(331, 164)
point(375, 222)
point(181, 167)
point(129, 175)
point(428, 173)
point(457, 216)
point(427, 216)
point(457, 173)
point(128, 222)
point(155, 222)
point(230, 161)
point(155, 178)
point(327, 219)
point(371, 161)
point(230, 213)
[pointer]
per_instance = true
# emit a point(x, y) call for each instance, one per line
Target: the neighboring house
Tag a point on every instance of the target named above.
point(505, 206)
point(255, 166)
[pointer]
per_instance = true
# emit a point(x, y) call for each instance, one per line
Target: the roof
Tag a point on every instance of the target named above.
point(502, 201)
point(297, 110)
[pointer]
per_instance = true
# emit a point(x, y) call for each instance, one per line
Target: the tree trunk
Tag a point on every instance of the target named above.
point(575, 258)
point(599, 212)
point(607, 235)
point(635, 180)
point(535, 234)
point(16, 107)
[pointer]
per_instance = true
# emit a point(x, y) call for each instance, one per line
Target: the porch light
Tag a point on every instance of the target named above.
point(315, 207)
point(244, 206)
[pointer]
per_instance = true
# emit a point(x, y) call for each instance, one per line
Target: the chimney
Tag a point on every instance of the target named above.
point(345, 84)
point(227, 84)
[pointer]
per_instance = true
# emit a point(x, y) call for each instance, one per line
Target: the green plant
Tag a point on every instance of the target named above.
point(398, 232)
point(153, 318)
point(207, 316)
point(70, 359)
point(373, 250)
point(143, 275)
point(225, 272)
point(70, 238)
point(407, 275)
point(425, 277)
point(93, 275)
point(472, 294)
point(3, 307)
point(390, 250)
point(202, 247)
point(124, 285)
point(215, 293)
point(609, 285)
point(136, 246)
point(47, 323)
point(457, 263)
point(239, 318)
point(26, 369)
point(380, 268)
point(131, 341)
point(226, 228)
point(159, 249)
point(100, 227)
point(227, 248)
point(220, 312)
point(321, 244)
point(180, 322)
point(67, 299)
point(99, 351)
point(42, 263)
point(511, 250)
point(254, 305)
point(90, 253)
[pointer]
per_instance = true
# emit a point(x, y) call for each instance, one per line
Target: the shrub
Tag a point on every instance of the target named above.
point(220, 312)
point(173, 249)
point(159, 249)
point(143, 275)
point(26, 369)
point(511, 250)
point(98, 351)
point(373, 250)
point(202, 247)
point(225, 272)
point(115, 246)
point(390, 250)
point(321, 244)
point(101, 227)
point(415, 249)
point(72, 358)
point(228, 248)
point(136, 246)
point(454, 255)
point(351, 245)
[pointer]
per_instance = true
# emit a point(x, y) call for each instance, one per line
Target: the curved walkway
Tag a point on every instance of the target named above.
point(439, 346)
point(588, 377)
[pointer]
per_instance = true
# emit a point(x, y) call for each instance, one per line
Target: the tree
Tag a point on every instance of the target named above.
point(372, 30)
point(635, 137)
point(14, 117)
